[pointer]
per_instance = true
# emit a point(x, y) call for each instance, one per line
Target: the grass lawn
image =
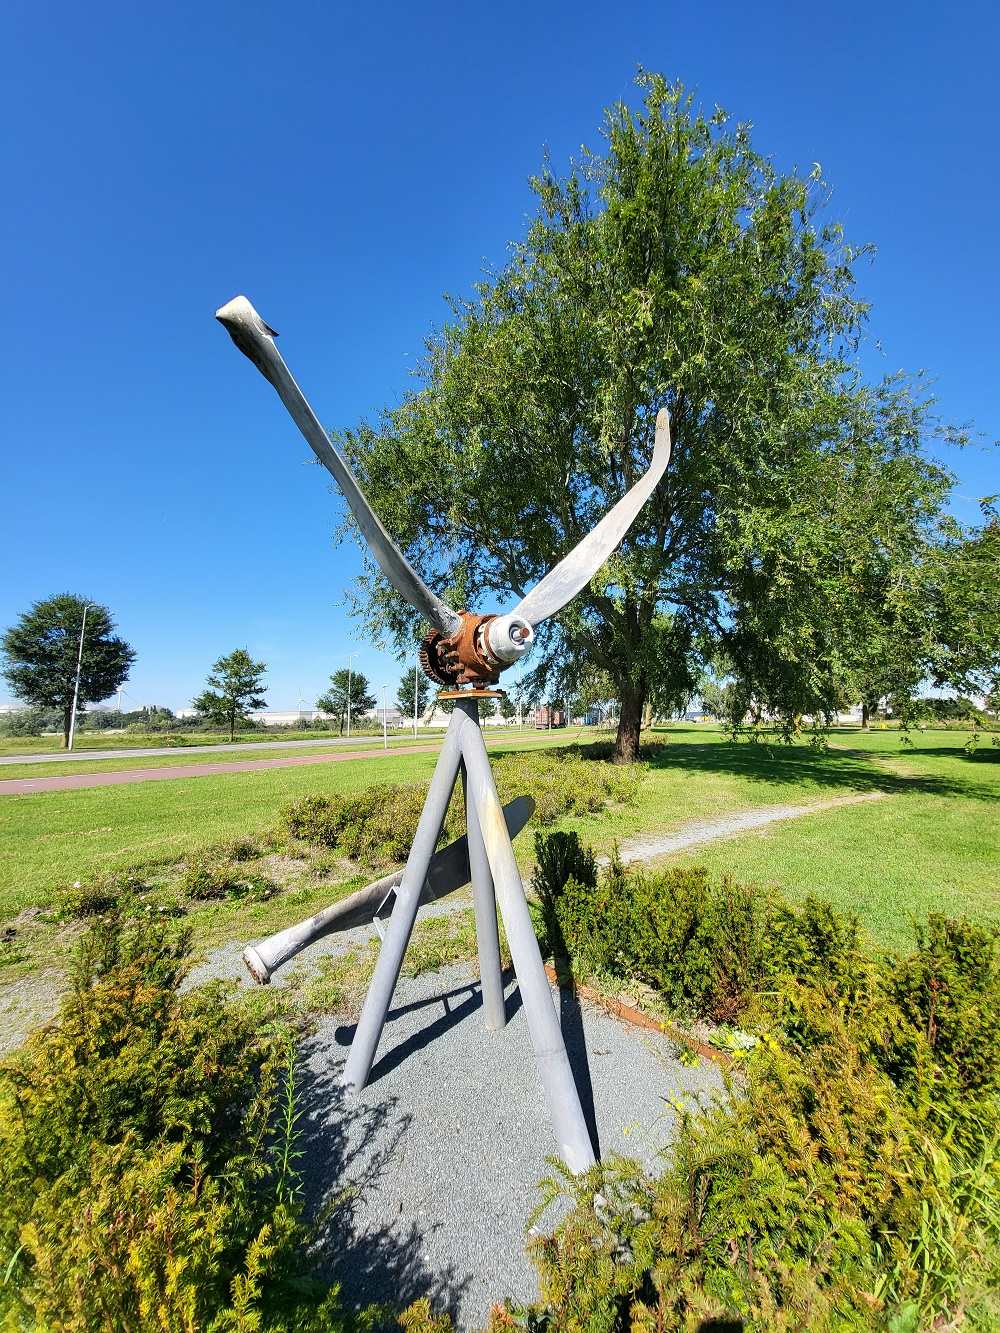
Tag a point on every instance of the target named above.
point(930, 844)
point(930, 841)
point(121, 763)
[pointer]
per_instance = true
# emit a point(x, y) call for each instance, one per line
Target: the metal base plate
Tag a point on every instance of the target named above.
point(472, 694)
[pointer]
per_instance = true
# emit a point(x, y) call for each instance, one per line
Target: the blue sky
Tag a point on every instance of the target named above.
point(345, 166)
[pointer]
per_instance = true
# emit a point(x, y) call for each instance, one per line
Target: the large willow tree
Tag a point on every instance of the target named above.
point(677, 267)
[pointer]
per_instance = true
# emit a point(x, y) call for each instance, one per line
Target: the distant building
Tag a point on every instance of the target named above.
point(546, 717)
point(287, 717)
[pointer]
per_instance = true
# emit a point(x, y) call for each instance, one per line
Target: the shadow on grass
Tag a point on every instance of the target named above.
point(839, 769)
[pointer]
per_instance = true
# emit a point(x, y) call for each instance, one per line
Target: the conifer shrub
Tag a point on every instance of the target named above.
point(145, 1174)
point(707, 947)
point(850, 1177)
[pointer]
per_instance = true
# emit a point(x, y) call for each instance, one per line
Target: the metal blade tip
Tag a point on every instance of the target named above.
point(240, 311)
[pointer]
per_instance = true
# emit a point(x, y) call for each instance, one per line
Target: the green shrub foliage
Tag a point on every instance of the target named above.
point(707, 947)
point(376, 826)
point(207, 877)
point(848, 1179)
point(143, 1167)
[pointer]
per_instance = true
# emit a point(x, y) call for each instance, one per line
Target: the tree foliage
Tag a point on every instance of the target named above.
point(234, 687)
point(413, 679)
point(40, 655)
point(344, 685)
point(676, 268)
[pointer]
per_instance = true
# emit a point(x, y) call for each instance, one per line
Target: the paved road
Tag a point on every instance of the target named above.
point(73, 756)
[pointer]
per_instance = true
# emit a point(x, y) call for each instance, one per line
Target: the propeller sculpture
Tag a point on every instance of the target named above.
point(467, 653)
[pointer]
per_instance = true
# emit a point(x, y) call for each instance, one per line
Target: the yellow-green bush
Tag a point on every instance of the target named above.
point(376, 826)
point(141, 1153)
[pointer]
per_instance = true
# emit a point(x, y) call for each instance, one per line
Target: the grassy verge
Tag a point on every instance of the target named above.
point(127, 740)
point(930, 840)
point(122, 763)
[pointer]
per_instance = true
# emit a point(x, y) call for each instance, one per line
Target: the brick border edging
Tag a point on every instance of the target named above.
point(629, 1014)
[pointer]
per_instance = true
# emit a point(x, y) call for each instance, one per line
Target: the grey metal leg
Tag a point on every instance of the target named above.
point(390, 959)
point(484, 901)
point(543, 1023)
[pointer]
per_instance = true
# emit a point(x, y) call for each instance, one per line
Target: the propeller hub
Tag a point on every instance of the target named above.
point(478, 651)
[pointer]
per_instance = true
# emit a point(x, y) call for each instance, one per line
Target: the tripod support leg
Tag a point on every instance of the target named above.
point(484, 901)
point(543, 1024)
point(390, 959)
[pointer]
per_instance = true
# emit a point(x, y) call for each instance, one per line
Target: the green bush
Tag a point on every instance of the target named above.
point(559, 859)
point(144, 1153)
point(206, 878)
point(375, 827)
point(948, 991)
point(851, 1178)
point(771, 1211)
point(707, 947)
point(568, 781)
point(102, 893)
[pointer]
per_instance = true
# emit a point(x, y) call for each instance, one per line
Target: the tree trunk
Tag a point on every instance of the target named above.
point(629, 725)
point(864, 715)
point(232, 726)
point(67, 714)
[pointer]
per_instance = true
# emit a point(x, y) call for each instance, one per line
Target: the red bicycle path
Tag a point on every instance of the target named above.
point(69, 781)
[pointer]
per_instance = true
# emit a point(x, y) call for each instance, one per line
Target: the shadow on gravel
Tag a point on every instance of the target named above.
point(339, 1167)
point(462, 1003)
point(458, 1004)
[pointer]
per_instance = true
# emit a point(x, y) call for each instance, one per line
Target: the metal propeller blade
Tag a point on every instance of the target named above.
point(255, 339)
point(449, 870)
point(561, 584)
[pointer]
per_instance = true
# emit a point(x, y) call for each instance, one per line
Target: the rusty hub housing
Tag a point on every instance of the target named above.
point(462, 658)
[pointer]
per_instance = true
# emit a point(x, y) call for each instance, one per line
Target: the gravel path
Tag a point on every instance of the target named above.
point(425, 1184)
point(727, 826)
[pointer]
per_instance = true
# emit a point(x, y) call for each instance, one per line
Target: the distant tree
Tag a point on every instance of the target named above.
point(30, 722)
point(505, 706)
point(234, 687)
point(40, 655)
point(334, 702)
point(404, 694)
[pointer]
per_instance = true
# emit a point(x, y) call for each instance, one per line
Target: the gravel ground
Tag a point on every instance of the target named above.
point(728, 826)
point(426, 1182)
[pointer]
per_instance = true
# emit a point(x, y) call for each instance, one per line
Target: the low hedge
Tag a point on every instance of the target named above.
point(850, 1178)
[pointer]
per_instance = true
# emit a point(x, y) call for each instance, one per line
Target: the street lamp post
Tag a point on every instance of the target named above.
point(350, 659)
point(416, 680)
point(76, 682)
point(385, 717)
